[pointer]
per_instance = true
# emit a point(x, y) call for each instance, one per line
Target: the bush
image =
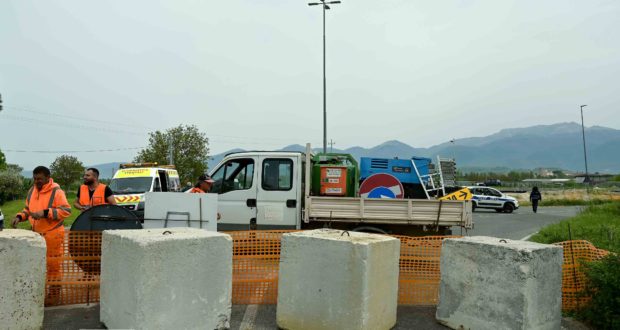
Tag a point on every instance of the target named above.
point(603, 285)
point(11, 186)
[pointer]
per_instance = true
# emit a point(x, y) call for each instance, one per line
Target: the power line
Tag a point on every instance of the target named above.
point(67, 151)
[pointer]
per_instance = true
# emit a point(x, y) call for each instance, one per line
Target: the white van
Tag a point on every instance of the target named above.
point(132, 181)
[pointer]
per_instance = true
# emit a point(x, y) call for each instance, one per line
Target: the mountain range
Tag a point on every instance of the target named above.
point(549, 146)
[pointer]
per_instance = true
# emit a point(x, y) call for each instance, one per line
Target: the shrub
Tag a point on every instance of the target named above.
point(603, 285)
point(11, 186)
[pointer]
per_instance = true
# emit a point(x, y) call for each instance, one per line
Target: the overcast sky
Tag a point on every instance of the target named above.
point(98, 75)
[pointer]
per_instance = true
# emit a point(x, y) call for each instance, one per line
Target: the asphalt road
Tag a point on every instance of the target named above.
point(517, 225)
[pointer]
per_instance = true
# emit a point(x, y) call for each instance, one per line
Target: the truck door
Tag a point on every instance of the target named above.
point(235, 182)
point(279, 192)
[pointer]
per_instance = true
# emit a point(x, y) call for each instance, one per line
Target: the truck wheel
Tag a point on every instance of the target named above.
point(508, 208)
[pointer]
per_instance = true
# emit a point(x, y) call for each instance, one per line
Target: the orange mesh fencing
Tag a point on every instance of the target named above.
point(256, 258)
point(256, 262)
point(419, 277)
point(576, 252)
point(80, 269)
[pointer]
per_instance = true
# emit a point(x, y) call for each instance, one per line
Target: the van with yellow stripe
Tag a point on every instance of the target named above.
point(132, 181)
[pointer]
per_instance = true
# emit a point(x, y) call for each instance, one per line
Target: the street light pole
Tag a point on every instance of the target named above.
point(325, 5)
point(585, 155)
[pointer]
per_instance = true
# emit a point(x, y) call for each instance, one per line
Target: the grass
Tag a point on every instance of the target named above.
point(9, 209)
point(566, 202)
point(598, 223)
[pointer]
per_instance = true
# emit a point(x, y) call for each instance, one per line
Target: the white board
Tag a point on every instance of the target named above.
point(180, 210)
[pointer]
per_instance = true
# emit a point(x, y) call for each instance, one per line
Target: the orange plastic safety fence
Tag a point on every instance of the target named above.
point(256, 261)
point(256, 258)
point(573, 278)
point(80, 265)
point(419, 276)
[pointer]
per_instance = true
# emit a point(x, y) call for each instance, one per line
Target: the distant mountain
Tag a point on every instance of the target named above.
point(550, 146)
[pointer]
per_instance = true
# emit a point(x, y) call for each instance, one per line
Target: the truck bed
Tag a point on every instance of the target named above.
point(389, 211)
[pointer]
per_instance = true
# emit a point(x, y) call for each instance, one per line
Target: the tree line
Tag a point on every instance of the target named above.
point(185, 145)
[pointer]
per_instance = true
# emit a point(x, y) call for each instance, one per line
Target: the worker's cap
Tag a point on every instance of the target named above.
point(205, 178)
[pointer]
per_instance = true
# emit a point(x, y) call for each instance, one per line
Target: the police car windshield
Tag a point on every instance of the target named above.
point(131, 185)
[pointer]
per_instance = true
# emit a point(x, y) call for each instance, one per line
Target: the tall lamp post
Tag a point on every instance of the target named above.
point(585, 156)
point(325, 5)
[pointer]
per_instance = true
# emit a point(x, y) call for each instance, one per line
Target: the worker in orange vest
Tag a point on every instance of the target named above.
point(93, 192)
point(203, 185)
point(46, 208)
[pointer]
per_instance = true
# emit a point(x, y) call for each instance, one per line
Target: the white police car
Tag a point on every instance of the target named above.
point(490, 198)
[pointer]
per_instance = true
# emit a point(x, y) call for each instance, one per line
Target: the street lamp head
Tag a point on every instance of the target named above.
point(331, 2)
point(583, 105)
point(314, 3)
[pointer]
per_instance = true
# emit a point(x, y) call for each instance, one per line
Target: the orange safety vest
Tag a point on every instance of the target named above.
point(98, 195)
point(196, 190)
point(50, 198)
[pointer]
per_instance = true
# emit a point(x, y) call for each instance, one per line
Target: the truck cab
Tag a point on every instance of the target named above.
point(259, 190)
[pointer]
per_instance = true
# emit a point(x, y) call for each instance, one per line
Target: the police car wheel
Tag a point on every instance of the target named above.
point(508, 208)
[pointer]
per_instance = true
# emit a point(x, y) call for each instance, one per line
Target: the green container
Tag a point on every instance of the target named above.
point(321, 160)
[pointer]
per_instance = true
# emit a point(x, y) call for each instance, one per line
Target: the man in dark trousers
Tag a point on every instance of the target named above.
point(535, 197)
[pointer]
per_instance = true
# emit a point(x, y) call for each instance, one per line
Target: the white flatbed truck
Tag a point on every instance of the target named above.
point(271, 190)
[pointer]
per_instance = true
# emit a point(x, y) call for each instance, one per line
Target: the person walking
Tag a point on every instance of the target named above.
point(46, 208)
point(535, 197)
point(93, 192)
point(203, 185)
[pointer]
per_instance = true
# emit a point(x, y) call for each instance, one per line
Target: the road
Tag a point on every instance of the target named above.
point(519, 224)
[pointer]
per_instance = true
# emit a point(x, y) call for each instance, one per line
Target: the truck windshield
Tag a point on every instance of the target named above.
point(131, 185)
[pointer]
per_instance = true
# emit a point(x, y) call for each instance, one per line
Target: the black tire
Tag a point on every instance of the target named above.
point(508, 208)
point(473, 206)
point(499, 210)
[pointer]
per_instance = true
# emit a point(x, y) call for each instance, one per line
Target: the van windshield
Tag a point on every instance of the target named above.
point(137, 185)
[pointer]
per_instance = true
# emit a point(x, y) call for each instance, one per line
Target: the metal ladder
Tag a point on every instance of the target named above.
point(444, 175)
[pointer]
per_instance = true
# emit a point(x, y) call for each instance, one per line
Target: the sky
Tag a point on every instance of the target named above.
point(91, 79)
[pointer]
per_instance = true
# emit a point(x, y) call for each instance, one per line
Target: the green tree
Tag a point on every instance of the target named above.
point(2, 161)
point(190, 149)
point(11, 185)
point(66, 170)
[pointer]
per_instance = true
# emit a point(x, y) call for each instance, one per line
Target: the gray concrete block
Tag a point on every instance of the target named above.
point(332, 281)
point(22, 279)
point(491, 284)
point(175, 278)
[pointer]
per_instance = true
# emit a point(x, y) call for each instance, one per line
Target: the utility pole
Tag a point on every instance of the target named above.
point(331, 145)
point(586, 180)
point(325, 5)
point(170, 159)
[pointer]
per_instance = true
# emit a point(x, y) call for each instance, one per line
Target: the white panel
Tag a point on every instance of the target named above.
point(182, 210)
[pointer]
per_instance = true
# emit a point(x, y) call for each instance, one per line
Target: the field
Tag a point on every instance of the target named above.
point(598, 224)
point(556, 197)
point(11, 208)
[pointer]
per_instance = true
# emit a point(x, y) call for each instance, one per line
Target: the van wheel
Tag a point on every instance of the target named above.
point(508, 207)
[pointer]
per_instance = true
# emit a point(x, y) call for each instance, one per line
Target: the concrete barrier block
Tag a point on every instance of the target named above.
point(331, 280)
point(489, 283)
point(175, 278)
point(22, 279)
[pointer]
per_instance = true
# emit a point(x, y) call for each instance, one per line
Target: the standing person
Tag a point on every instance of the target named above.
point(203, 185)
point(535, 197)
point(93, 192)
point(46, 208)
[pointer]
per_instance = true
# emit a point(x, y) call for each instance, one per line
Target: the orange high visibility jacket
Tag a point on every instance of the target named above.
point(50, 198)
point(196, 190)
point(98, 195)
